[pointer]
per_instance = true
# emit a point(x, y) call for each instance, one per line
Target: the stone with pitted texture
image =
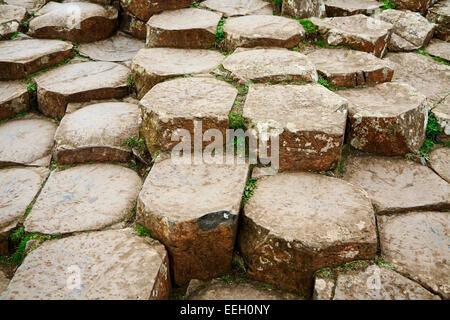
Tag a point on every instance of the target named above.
point(11, 18)
point(230, 8)
point(144, 9)
point(14, 99)
point(350, 68)
point(358, 32)
point(387, 119)
point(154, 65)
point(308, 221)
point(303, 8)
point(26, 141)
point(98, 132)
point(427, 234)
point(24, 57)
point(439, 160)
point(133, 26)
point(440, 14)
point(339, 8)
point(397, 185)
point(131, 268)
point(193, 210)
point(414, 5)
point(439, 48)
point(442, 114)
point(262, 31)
point(270, 65)
point(80, 82)
point(74, 21)
point(308, 120)
point(82, 198)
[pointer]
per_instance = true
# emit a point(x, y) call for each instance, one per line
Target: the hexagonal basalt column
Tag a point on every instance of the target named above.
point(339, 8)
point(231, 8)
point(14, 98)
point(11, 20)
point(440, 14)
point(303, 8)
point(144, 9)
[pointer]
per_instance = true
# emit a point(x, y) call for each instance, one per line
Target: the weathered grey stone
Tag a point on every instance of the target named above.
point(74, 21)
point(184, 28)
point(358, 31)
point(144, 9)
point(323, 288)
point(4, 281)
point(387, 119)
point(154, 65)
point(80, 82)
point(305, 220)
point(338, 8)
point(11, 18)
point(308, 120)
point(98, 132)
point(217, 290)
point(414, 5)
point(350, 68)
point(270, 65)
point(176, 104)
point(432, 78)
point(442, 114)
point(85, 197)
point(29, 5)
point(108, 265)
point(230, 8)
point(439, 160)
point(440, 14)
point(133, 26)
point(397, 185)
point(262, 31)
point(439, 48)
point(26, 141)
point(411, 31)
point(14, 98)
point(303, 8)
point(115, 49)
point(427, 235)
point(193, 210)
point(23, 57)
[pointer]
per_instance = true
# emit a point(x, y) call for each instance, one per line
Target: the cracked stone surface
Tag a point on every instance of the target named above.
point(303, 8)
point(144, 9)
point(133, 26)
point(414, 5)
point(307, 220)
point(80, 82)
point(439, 160)
point(85, 197)
point(427, 234)
point(24, 57)
point(397, 185)
point(154, 65)
point(339, 8)
point(440, 14)
point(131, 268)
point(26, 141)
point(193, 210)
point(387, 119)
point(230, 8)
point(98, 132)
point(439, 48)
point(176, 104)
point(308, 120)
point(270, 65)
point(358, 32)
point(411, 30)
point(11, 18)
point(262, 31)
point(442, 114)
point(14, 99)
point(184, 28)
point(29, 5)
point(74, 21)
point(350, 68)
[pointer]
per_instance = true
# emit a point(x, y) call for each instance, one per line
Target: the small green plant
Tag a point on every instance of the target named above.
point(387, 5)
point(31, 87)
point(324, 82)
point(14, 117)
point(308, 25)
point(25, 24)
point(431, 133)
point(142, 231)
point(438, 59)
point(33, 13)
point(129, 81)
point(195, 4)
point(325, 273)
point(220, 35)
point(237, 121)
point(379, 261)
point(277, 2)
point(15, 35)
point(249, 190)
point(21, 237)
point(227, 278)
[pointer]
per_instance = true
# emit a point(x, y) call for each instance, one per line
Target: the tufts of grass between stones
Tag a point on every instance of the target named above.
point(437, 59)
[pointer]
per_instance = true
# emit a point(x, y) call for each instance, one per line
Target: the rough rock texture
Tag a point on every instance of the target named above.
point(432, 78)
point(427, 234)
point(133, 26)
point(26, 142)
point(350, 68)
point(439, 49)
point(338, 8)
point(109, 265)
point(323, 288)
point(230, 8)
point(144, 9)
point(14, 98)
point(29, 5)
point(439, 162)
point(98, 132)
point(176, 104)
point(184, 28)
point(262, 31)
point(414, 5)
point(4, 281)
point(11, 18)
point(387, 119)
point(23, 57)
point(440, 14)
point(358, 31)
point(80, 82)
point(397, 185)
point(18, 187)
point(270, 65)
point(308, 120)
point(85, 197)
point(411, 30)
point(115, 49)
point(74, 21)
point(442, 114)
point(193, 210)
point(297, 223)
point(154, 65)
point(303, 8)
